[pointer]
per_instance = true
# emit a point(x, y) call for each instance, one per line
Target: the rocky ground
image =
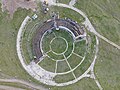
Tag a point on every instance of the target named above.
point(12, 5)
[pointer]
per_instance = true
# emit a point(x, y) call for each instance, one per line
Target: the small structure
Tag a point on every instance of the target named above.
point(34, 57)
point(34, 16)
point(46, 10)
point(45, 7)
point(55, 17)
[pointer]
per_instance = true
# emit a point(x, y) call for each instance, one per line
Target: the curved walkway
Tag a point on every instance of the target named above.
point(72, 2)
point(18, 44)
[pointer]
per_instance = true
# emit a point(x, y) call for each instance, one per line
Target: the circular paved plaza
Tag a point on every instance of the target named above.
point(57, 52)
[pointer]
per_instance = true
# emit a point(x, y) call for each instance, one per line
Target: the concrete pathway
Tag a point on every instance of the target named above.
point(72, 2)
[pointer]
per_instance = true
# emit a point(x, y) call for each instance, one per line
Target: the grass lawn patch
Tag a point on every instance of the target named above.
point(48, 64)
point(54, 56)
point(83, 84)
point(74, 60)
point(82, 68)
point(107, 67)
point(89, 56)
point(104, 16)
point(58, 45)
point(62, 66)
point(66, 35)
point(80, 48)
point(66, 12)
point(64, 78)
point(46, 41)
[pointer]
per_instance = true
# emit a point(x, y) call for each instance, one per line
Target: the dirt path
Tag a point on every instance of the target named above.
point(39, 87)
point(2, 87)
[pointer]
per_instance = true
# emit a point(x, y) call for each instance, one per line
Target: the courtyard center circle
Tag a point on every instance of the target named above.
point(59, 45)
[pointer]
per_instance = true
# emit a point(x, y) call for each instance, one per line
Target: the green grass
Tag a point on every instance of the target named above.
point(26, 48)
point(84, 84)
point(58, 45)
point(48, 64)
point(83, 67)
point(64, 78)
point(104, 15)
point(46, 41)
point(54, 56)
point(66, 35)
point(66, 12)
point(9, 63)
point(74, 60)
point(80, 48)
point(107, 67)
point(89, 56)
point(62, 66)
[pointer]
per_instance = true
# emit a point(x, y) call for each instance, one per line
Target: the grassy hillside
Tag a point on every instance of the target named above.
point(10, 66)
point(105, 17)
